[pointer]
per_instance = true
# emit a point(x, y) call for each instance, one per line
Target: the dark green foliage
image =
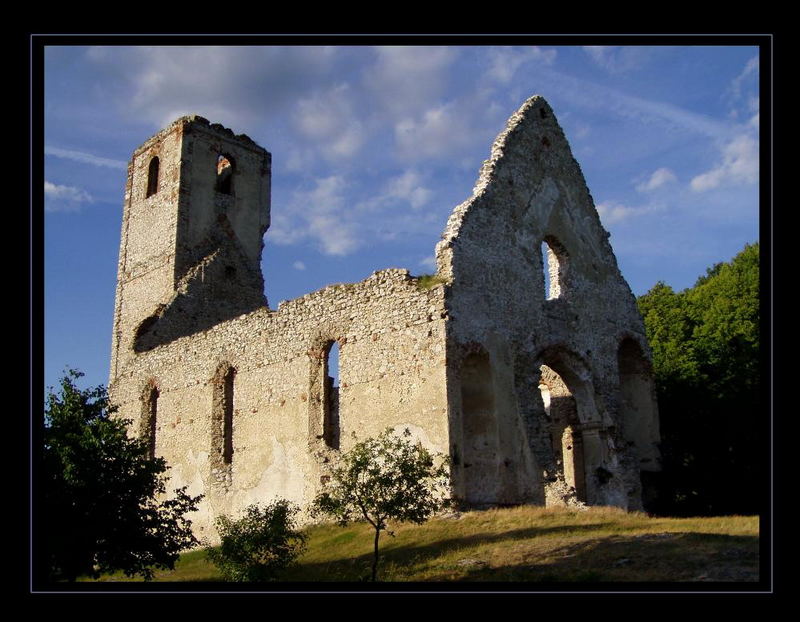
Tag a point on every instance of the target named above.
point(705, 343)
point(100, 509)
point(385, 478)
point(258, 546)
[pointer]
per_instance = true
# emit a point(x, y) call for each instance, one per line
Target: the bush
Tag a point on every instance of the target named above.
point(258, 546)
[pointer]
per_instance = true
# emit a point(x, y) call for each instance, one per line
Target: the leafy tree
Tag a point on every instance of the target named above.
point(102, 507)
point(385, 478)
point(260, 544)
point(706, 360)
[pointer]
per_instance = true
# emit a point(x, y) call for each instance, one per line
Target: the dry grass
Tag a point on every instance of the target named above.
point(526, 544)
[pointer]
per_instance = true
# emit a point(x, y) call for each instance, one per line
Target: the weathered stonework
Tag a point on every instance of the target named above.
point(536, 397)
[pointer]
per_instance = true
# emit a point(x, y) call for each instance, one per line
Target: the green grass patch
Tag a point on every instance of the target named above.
point(429, 281)
point(523, 544)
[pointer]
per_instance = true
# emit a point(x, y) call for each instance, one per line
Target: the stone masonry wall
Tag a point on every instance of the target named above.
point(392, 373)
point(531, 191)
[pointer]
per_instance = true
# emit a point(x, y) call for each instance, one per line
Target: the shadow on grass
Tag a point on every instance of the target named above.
point(356, 568)
point(666, 557)
point(663, 558)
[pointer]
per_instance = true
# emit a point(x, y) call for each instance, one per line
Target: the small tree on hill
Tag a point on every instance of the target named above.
point(99, 490)
point(385, 478)
point(260, 544)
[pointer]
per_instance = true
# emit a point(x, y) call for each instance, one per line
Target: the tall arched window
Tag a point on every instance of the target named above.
point(152, 177)
point(330, 423)
point(222, 415)
point(225, 167)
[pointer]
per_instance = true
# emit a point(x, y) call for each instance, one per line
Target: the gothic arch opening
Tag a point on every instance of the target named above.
point(578, 435)
point(152, 177)
point(565, 429)
point(479, 428)
point(330, 396)
point(555, 261)
point(225, 168)
point(149, 417)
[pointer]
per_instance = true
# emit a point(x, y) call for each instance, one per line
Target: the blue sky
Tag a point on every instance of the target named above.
point(372, 147)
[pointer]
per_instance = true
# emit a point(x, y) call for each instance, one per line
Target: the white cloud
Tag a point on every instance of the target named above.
point(318, 214)
point(613, 212)
point(739, 165)
point(328, 119)
point(235, 86)
point(86, 158)
point(409, 79)
point(659, 178)
point(58, 198)
point(504, 62)
point(299, 265)
point(441, 132)
point(408, 187)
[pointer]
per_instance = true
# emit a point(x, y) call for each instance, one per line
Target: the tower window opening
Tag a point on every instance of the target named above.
point(152, 177)
point(224, 183)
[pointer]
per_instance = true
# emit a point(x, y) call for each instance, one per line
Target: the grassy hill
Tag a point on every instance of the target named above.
point(525, 544)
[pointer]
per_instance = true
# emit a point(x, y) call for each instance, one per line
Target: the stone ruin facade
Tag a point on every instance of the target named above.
point(524, 360)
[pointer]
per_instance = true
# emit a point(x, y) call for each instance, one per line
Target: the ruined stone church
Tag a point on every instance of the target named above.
point(524, 360)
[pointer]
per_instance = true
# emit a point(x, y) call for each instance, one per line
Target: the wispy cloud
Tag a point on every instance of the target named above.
point(299, 265)
point(592, 96)
point(86, 158)
point(58, 198)
point(617, 59)
point(505, 61)
point(659, 178)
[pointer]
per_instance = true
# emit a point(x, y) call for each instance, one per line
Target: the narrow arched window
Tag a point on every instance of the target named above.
point(147, 428)
point(555, 261)
point(225, 166)
point(227, 418)
point(222, 416)
point(152, 177)
point(330, 424)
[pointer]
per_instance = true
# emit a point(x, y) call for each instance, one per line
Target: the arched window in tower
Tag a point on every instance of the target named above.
point(225, 166)
point(555, 260)
point(147, 426)
point(330, 424)
point(227, 417)
point(152, 177)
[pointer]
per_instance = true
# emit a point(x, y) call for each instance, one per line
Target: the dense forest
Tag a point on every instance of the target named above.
point(713, 410)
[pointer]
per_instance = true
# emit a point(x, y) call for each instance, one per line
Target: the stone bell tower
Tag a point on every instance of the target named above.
point(197, 206)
